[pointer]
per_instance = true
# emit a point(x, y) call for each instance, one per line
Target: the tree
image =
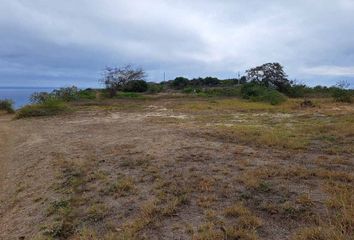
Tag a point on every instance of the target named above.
point(180, 83)
point(117, 77)
point(341, 93)
point(136, 86)
point(270, 75)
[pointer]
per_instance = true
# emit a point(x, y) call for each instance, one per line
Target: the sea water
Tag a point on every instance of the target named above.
point(20, 95)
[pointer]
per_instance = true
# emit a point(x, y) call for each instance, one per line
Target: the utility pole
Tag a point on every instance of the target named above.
point(164, 76)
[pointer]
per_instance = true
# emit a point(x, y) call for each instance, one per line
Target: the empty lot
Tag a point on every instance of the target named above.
point(179, 168)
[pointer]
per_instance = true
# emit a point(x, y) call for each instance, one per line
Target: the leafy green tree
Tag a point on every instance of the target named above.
point(180, 83)
point(270, 75)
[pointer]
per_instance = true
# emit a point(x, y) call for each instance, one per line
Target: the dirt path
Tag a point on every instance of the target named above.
point(5, 133)
point(24, 176)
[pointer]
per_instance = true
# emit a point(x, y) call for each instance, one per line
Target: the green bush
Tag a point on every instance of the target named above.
point(63, 94)
point(259, 93)
point(223, 92)
point(40, 97)
point(154, 88)
point(296, 91)
point(180, 83)
point(7, 105)
point(66, 94)
point(48, 108)
point(272, 96)
point(342, 95)
point(190, 90)
point(87, 94)
point(135, 86)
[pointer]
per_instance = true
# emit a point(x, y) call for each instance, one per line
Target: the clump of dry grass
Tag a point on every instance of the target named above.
point(237, 210)
point(208, 231)
point(316, 233)
point(338, 224)
point(123, 186)
point(97, 212)
point(246, 220)
point(244, 225)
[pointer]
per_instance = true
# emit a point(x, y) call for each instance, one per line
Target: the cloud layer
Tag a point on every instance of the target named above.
point(54, 43)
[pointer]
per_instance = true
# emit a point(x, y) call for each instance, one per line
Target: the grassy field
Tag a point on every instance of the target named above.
point(177, 167)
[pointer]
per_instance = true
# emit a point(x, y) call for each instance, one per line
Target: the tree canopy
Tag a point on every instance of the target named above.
point(269, 75)
point(117, 77)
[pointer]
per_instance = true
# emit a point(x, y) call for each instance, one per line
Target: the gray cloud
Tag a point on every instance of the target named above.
point(66, 42)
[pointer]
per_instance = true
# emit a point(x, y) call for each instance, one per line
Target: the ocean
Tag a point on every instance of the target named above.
point(20, 95)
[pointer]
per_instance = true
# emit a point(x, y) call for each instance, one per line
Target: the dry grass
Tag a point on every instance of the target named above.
point(229, 169)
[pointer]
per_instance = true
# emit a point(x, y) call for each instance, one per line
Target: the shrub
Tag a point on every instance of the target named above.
point(208, 81)
point(342, 95)
point(135, 86)
point(117, 78)
point(87, 94)
point(39, 97)
point(63, 94)
point(154, 88)
point(48, 108)
point(296, 91)
point(223, 92)
point(272, 96)
point(180, 83)
point(190, 90)
point(6, 105)
point(259, 93)
point(66, 94)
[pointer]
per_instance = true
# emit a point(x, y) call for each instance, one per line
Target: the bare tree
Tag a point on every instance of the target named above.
point(115, 78)
point(269, 75)
point(343, 84)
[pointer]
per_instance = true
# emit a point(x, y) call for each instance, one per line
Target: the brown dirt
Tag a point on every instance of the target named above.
point(163, 156)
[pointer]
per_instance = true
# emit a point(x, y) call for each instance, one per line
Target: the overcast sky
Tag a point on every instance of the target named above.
point(60, 43)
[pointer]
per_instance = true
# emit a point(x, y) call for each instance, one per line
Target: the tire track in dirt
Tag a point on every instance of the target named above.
point(5, 152)
point(18, 187)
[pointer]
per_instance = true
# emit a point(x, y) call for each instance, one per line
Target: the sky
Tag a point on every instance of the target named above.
point(61, 43)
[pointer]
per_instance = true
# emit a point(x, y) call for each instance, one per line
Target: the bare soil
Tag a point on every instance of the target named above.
point(155, 172)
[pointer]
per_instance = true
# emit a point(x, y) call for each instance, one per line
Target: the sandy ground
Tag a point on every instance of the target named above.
point(109, 144)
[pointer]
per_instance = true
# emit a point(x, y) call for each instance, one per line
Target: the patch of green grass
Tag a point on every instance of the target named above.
point(48, 108)
point(129, 95)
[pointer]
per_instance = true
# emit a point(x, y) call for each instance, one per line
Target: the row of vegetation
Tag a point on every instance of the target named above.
point(266, 83)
